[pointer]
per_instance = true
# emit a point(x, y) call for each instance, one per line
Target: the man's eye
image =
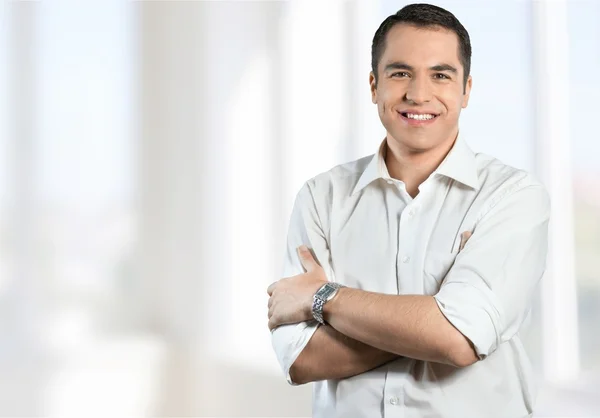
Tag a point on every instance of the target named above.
point(441, 76)
point(400, 74)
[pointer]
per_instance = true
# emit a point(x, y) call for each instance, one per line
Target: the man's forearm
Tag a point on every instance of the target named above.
point(408, 325)
point(331, 355)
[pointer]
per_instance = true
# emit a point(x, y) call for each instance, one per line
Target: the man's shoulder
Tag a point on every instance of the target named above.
point(343, 175)
point(499, 180)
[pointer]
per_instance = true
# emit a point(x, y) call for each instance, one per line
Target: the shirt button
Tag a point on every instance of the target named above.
point(393, 400)
point(405, 259)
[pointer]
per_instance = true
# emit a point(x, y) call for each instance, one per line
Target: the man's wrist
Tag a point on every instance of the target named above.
point(309, 306)
point(330, 306)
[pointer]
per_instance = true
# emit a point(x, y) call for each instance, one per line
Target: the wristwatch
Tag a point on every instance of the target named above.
point(323, 295)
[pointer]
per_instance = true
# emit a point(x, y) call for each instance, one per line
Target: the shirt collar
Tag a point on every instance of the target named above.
point(374, 170)
point(459, 165)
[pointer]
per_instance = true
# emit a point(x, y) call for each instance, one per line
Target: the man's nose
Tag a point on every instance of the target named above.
point(419, 90)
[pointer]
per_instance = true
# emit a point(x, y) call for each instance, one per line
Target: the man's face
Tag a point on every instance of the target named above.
point(420, 90)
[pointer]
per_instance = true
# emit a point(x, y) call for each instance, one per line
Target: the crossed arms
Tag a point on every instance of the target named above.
point(482, 302)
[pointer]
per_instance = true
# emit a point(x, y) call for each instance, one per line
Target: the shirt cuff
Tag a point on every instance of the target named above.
point(474, 312)
point(289, 341)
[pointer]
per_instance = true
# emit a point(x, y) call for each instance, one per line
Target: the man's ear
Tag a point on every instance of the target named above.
point(467, 94)
point(373, 86)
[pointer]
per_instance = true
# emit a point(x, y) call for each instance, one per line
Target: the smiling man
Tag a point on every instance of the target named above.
point(384, 304)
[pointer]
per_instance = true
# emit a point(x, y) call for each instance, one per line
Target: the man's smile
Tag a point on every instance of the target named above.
point(418, 118)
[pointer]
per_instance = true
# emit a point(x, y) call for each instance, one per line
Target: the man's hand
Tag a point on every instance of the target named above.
point(464, 237)
point(291, 298)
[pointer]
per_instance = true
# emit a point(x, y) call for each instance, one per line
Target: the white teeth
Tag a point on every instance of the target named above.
point(419, 117)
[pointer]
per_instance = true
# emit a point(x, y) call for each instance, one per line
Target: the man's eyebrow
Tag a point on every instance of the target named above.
point(444, 67)
point(398, 65)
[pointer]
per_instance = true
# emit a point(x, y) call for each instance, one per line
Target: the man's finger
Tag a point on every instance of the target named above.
point(306, 258)
point(272, 323)
point(271, 288)
point(464, 237)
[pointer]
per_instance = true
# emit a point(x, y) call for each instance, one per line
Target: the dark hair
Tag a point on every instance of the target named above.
point(423, 15)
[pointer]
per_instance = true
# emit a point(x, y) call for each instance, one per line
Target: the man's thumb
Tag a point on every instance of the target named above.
point(306, 258)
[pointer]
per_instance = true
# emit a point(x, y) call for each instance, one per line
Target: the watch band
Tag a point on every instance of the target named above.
point(322, 296)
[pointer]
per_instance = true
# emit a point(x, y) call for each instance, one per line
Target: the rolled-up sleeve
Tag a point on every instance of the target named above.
point(305, 228)
point(488, 292)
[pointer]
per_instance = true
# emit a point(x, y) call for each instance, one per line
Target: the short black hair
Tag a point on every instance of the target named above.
point(423, 16)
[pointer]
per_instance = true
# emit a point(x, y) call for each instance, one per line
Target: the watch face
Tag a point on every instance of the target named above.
point(332, 291)
point(325, 291)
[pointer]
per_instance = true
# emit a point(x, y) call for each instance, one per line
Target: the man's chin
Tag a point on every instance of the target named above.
point(415, 143)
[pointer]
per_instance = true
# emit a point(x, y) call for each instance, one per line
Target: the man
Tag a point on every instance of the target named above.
point(426, 324)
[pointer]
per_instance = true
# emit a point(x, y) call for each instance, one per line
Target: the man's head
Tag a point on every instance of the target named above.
point(421, 59)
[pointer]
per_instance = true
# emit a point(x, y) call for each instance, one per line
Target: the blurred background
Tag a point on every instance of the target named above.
point(150, 153)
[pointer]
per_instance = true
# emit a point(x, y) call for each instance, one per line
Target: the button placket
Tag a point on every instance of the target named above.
point(408, 252)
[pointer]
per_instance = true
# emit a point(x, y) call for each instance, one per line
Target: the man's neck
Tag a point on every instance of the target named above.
point(414, 167)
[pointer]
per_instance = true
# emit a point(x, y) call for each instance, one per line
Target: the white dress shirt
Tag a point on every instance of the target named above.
point(368, 233)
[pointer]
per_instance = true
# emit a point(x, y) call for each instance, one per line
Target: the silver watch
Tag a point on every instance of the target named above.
point(323, 295)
